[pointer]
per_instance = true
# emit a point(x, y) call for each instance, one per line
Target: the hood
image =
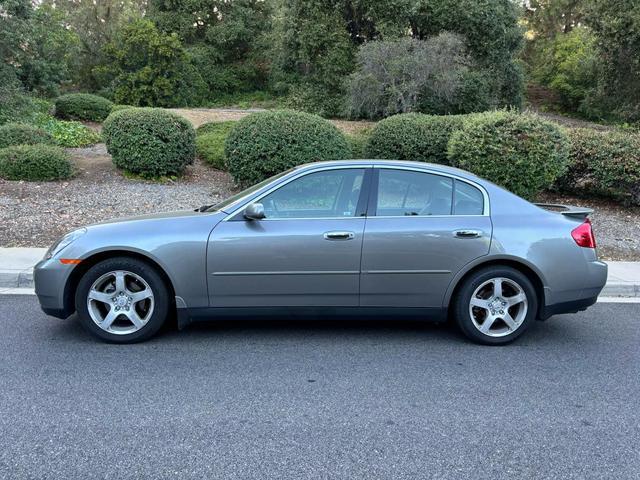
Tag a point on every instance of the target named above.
point(152, 216)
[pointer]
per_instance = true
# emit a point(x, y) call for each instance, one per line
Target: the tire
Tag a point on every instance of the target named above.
point(122, 300)
point(507, 315)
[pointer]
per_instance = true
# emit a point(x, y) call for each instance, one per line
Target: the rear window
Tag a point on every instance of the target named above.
point(468, 200)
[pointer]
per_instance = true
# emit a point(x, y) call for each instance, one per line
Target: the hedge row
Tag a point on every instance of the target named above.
point(603, 163)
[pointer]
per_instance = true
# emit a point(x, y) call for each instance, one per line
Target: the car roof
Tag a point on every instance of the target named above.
point(434, 167)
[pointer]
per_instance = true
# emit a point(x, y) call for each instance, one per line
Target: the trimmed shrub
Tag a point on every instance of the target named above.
point(34, 163)
point(83, 106)
point(520, 152)
point(150, 142)
point(413, 136)
point(22, 134)
point(266, 143)
point(118, 106)
point(603, 163)
point(210, 139)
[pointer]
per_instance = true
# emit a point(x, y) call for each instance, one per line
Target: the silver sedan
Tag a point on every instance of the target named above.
point(348, 237)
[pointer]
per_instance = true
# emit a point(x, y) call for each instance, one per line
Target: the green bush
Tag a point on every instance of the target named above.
point(520, 152)
point(266, 143)
point(413, 136)
point(603, 163)
point(22, 134)
point(34, 163)
point(83, 106)
point(118, 106)
point(358, 142)
point(150, 142)
point(210, 139)
point(68, 134)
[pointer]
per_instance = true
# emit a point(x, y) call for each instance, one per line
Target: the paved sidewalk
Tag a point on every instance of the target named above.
point(16, 271)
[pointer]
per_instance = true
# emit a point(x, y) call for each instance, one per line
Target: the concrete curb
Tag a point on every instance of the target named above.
point(16, 271)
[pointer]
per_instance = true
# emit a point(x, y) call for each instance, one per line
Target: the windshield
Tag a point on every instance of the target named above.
point(244, 193)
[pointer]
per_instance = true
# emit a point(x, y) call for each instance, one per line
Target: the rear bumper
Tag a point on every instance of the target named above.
point(567, 307)
point(578, 300)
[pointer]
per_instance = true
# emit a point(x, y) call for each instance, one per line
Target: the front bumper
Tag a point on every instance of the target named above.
point(51, 278)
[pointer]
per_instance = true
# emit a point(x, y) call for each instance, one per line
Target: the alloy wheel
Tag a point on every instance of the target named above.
point(120, 302)
point(498, 307)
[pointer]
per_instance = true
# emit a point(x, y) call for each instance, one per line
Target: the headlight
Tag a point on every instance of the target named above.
point(64, 242)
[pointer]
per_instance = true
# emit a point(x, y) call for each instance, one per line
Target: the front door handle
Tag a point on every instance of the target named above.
point(339, 235)
point(467, 233)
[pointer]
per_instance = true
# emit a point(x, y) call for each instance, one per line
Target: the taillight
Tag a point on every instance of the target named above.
point(583, 235)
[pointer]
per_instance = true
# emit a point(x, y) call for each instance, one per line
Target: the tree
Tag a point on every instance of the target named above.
point(617, 28)
point(319, 38)
point(150, 68)
point(96, 23)
point(48, 53)
point(394, 76)
point(224, 38)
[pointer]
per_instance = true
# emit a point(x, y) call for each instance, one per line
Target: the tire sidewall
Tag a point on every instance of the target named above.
point(149, 274)
point(461, 309)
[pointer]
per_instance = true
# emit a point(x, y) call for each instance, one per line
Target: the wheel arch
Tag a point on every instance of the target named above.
point(83, 267)
point(529, 271)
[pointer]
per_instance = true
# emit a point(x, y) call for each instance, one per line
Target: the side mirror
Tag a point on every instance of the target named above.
point(254, 211)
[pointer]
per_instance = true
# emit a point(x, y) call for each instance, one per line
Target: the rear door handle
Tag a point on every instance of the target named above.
point(468, 233)
point(339, 235)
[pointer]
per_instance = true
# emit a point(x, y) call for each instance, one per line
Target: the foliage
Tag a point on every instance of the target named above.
point(313, 52)
point(22, 134)
point(119, 106)
point(150, 68)
point(413, 136)
point(358, 142)
point(95, 24)
point(265, 143)
point(617, 29)
point(548, 18)
point(210, 142)
point(15, 105)
point(226, 47)
point(69, 134)
point(47, 57)
point(150, 142)
point(83, 106)
point(393, 75)
point(520, 152)
point(603, 163)
point(34, 163)
point(314, 98)
point(568, 65)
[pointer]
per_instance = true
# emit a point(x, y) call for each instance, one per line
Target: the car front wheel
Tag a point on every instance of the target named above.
point(495, 305)
point(122, 300)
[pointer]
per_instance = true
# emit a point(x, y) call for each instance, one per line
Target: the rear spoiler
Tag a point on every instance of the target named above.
point(566, 210)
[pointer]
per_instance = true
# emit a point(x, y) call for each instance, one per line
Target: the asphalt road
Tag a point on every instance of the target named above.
point(320, 399)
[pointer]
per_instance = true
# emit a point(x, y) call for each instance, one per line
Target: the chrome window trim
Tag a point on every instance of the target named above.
point(364, 166)
point(485, 208)
point(320, 168)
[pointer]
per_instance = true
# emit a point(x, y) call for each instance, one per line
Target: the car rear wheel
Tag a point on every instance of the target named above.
point(495, 305)
point(122, 300)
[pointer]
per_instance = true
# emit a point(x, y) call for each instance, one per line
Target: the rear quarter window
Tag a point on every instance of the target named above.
point(468, 200)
